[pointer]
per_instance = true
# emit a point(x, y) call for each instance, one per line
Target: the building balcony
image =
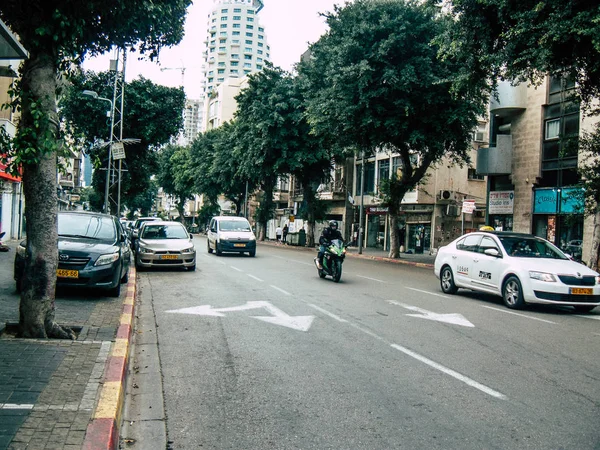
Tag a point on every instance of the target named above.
point(496, 160)
point(510, 101)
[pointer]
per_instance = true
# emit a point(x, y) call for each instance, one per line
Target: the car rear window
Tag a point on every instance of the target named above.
point(86, 226)
point(234, 225)
point(164, 232)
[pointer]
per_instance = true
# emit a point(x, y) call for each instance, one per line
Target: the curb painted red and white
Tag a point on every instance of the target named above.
point(103, 431)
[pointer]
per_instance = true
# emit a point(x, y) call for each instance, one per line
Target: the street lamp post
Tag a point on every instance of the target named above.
point(95, 96)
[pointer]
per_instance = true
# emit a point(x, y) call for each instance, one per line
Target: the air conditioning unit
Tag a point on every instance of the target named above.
point(447, 195)
point(478, 136)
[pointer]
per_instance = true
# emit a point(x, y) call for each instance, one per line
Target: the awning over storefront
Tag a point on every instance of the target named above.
point(7, 176)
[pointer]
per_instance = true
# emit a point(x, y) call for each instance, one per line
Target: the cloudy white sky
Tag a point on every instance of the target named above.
point(289, 25)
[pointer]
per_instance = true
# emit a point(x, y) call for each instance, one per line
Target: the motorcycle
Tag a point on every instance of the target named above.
point(3, 248)
point(332, 260)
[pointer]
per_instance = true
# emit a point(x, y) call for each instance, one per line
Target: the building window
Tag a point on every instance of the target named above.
point(248, 42)
point(222, 49)
point(248, 49)
point(237, 10)
point(250, 11)
point(220, 80)
point(552, 129)
point(247, 71)
point(249, 27)
point(234, 71)
point(223, 33)
point(234, 63)
point(237, 17)
point(369, 187)
point(224, 11)
point(473, 175)
point(260, 36)
point(224, 19)
point(221, 64)
point(261, 29)
point(383, 172)
point(235, 42)
point(249, 34)
point(222, 41)
point(235, 56)
point(248, 65)
point(250, 19)
point(248, 57)
point(260, 52)
point(220, 71)
point(258, 67)
point(223, 25)
point(260, 44)
point(235, 33)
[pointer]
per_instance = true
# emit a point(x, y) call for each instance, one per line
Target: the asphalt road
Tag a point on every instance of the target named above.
point(382, 360)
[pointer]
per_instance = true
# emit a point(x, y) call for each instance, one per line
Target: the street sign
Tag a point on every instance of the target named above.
point(468, 206)
point(118, 151)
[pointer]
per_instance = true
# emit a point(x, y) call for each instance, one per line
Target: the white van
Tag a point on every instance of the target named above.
point(230, 234)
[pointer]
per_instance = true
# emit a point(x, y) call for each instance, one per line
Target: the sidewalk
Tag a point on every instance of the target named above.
point(424, 260)
point(60, 394)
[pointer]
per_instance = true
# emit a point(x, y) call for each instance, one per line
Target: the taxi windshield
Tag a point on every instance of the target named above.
point(529, 247)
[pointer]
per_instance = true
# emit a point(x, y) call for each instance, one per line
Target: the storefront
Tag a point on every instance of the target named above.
point(501, 209)
point(558, 217)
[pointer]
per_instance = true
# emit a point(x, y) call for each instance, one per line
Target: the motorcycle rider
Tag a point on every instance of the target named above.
point(327, 235)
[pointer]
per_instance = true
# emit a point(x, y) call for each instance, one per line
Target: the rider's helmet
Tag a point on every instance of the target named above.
point(333, 224)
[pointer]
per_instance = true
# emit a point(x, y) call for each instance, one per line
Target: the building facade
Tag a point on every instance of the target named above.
point(532, 161)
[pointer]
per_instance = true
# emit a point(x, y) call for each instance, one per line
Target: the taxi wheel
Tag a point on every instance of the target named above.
point(583, 308)
point(512, 293)
point(447, 281)
point(210, 250)
point(218, 249)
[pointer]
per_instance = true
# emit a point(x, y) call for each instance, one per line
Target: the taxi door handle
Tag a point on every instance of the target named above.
point(453, 256)
point(476, 260)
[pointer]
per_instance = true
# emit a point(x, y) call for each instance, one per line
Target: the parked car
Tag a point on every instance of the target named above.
point(93, 252)
point(230, 234)
point(135, 228)
point(165, 244)
point(521, 268)
point(575, 249)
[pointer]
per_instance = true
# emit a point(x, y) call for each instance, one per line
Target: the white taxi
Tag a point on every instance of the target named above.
point(521, 268)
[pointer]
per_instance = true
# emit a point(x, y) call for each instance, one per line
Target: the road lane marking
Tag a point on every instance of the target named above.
point(517, 314)
point(452, 318)
point(235, 268)
point(256, 278)
point(280, 290)
point(369, 278)
point(452, 373)
point(427, 292)
point(327, 313)
point(16, 406)
point(294, 260)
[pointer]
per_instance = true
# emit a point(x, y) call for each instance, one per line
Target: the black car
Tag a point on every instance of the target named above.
point(93, 252)
point(135, 229)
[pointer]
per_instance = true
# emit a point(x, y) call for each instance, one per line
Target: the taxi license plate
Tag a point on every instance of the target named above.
point(169, 257)
point(582, 291)
point(64, 273)
point(239, 245)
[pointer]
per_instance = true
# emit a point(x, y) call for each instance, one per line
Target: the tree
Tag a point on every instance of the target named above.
point(275, 138)
point(171, 161)
point(152, 113)
point(525, 41)
point(376, 84)
point(58, 34)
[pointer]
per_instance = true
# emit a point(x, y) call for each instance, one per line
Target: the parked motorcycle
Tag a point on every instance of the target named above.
point(332, 260)
point(3, 248)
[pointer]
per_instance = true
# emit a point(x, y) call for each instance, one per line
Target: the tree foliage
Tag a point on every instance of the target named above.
point(375, 82)
point(171, 161)
point(58, 35)
point(152, 113)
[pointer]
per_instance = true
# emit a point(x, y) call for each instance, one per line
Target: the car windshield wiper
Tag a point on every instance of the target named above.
point(79, 236)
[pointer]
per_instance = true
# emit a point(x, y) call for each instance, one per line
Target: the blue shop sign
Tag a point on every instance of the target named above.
point(546, 201)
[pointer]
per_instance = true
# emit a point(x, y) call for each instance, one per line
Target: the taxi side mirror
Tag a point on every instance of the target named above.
point(492, 252)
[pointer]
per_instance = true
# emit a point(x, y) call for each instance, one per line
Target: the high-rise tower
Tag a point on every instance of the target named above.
point(236, 43)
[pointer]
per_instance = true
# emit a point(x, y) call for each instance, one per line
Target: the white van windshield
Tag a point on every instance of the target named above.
point(234, 225)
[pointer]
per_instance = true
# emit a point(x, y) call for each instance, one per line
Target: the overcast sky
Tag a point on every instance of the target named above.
point(289, 26)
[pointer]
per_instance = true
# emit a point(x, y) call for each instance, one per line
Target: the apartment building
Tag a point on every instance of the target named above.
point(532, 161)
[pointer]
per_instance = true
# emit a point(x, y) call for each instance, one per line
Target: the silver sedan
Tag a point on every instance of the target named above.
point(165, 244)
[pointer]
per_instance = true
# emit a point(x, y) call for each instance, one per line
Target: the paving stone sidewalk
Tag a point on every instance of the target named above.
point(49, 388)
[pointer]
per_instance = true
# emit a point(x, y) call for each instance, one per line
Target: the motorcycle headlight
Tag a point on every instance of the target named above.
point(542, 276)
point(188, 250)
point(107, 259)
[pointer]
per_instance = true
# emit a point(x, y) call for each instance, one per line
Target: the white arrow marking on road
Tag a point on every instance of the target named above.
point(454, 318)
point(300, 323)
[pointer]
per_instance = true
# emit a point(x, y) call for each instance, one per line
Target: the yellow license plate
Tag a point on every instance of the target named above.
point(63, 273)
point(582, 291)
point(169, 257)
point(239, 245)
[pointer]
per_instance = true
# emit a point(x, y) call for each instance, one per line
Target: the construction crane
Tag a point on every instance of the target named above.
point(162, 69)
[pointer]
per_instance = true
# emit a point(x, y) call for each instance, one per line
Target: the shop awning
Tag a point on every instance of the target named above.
point(7, 176)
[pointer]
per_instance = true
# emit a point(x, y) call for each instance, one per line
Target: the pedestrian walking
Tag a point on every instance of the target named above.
point(285, 233)
point(278, 233)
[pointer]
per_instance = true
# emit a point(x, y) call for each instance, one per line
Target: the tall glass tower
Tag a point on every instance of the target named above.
point(236, 44)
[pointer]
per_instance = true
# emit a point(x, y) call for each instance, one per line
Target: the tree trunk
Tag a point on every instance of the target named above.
point(309, 197)
point(594, 252)
point(36, 311)
point(181, 211)
point(394, 236)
